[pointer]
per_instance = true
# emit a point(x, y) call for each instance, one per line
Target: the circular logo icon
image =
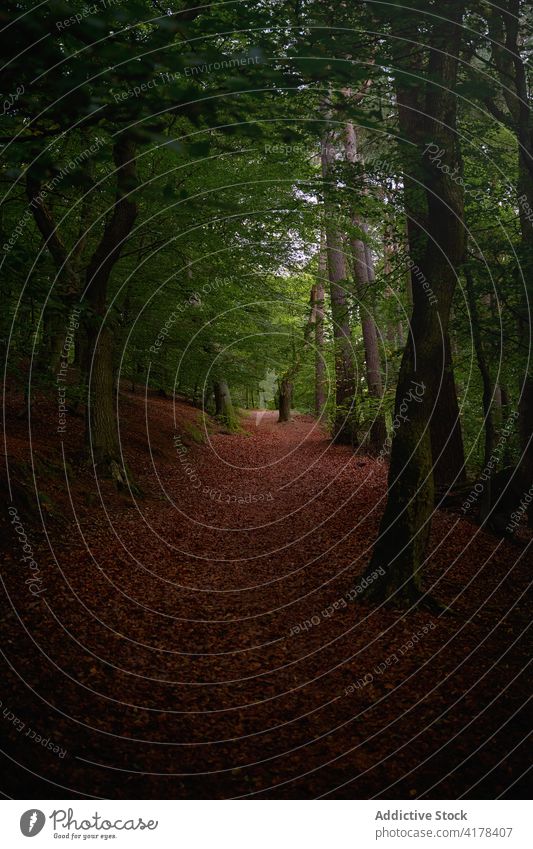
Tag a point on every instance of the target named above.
point(32, 822)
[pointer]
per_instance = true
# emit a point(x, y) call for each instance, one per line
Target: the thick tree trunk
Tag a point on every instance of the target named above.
point(525, 424)
point(345, 423)
point(102, 429)
point(54, 331)
point(446, 436)
point(405, 527)
point(223, 405)
point(511, 65)
point(488, 393)
point(285, 399)
point(101, 423)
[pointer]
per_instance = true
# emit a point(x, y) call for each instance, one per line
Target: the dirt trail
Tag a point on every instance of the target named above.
point(198, 642)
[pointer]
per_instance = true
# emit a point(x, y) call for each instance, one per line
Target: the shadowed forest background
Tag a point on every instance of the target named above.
point(268, 399)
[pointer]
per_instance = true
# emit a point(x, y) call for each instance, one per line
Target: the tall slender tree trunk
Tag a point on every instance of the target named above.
point(363, 264)
point(345, 423)
point(320, 364)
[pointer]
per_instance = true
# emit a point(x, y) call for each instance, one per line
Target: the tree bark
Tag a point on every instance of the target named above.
point(363, 264)
point(488, 394)
point(446, 435)
point(101, 429)
point(223, 405)
point(504, 31)
point(284, 399)
point(345, 422)
point(320, 365)
point(405, 527)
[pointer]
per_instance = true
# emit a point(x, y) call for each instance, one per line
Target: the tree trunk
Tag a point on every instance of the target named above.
point(345, 423)
point(363, 264)
point(285, 399)
point(223, 406)
point(54, 332)
point(405, 526)
point(101, 423)
point(446, 436)
point(488, 391)
point(102, 429)
point(378, 429)
point(507, 54)
point(320, 365)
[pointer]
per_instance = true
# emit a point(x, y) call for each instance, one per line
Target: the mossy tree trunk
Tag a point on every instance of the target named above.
point(223, 405)
point(427, 114)
point(101, 424)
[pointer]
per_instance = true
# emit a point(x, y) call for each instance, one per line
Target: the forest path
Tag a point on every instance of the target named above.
point(199, 641)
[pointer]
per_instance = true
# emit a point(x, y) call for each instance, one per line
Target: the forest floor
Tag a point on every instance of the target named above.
point(196, 642)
